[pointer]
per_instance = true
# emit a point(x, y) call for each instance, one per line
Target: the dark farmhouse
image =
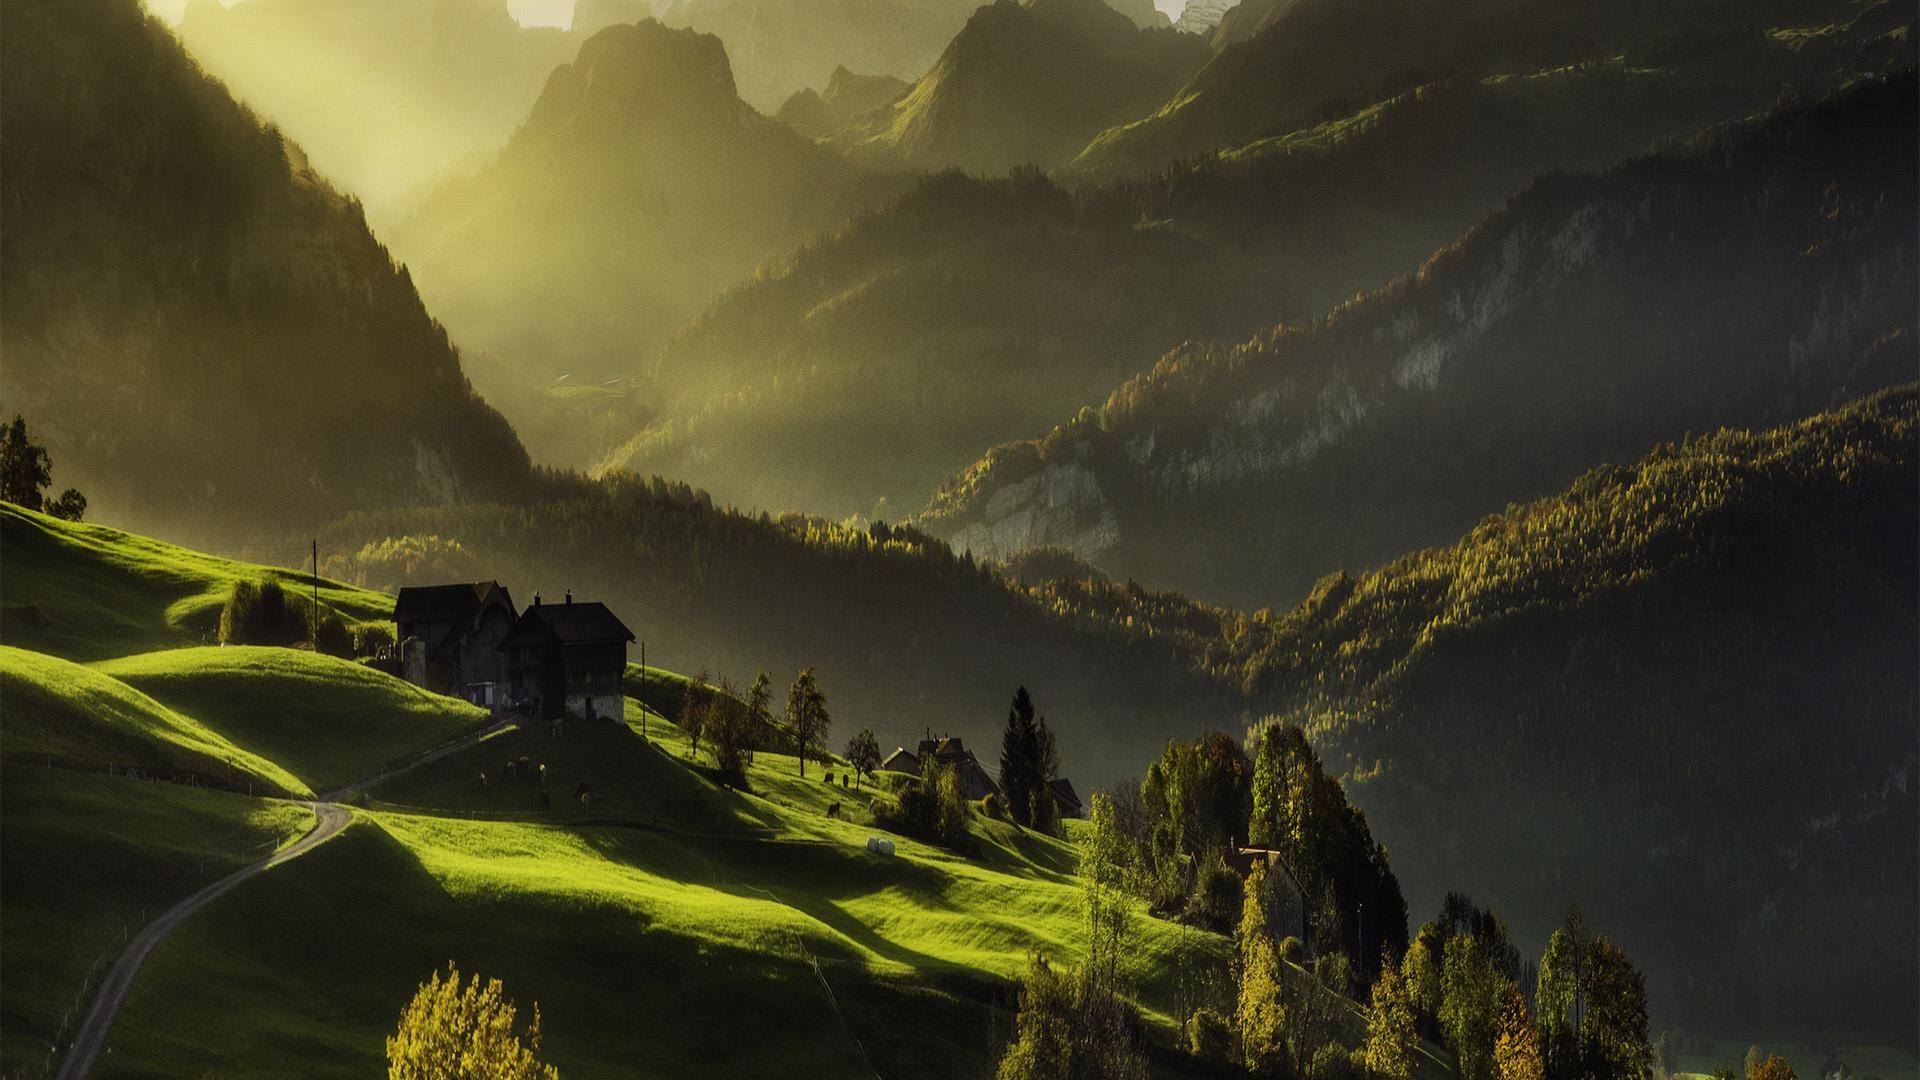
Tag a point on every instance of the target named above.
point(567, 660)
point(458, 629)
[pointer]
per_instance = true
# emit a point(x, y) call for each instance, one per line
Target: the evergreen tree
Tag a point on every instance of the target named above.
point(1019, 758)
point(25, 469)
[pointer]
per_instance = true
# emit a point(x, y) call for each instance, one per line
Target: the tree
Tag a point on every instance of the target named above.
point(1070, 1027)
point(807, 716)
point(693, 709)
point(1469, 1004)
point(26, 470)
point(448, 1032)
point(759, 710)
point(1019, 758)
point(729, 731)
point(1420, 967)
point(863, 752)
point(1391, 1037)
point(1261, 1011)
point(1773, 1067)
point(1044, 813)
point(1555, 1002)
point(1613, 1029)
point(1516, 1041)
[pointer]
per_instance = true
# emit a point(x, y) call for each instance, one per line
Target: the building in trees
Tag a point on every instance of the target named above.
point(460, 628)
point(975, 781)
point(567, 659)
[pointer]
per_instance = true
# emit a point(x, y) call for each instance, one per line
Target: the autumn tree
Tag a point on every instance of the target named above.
point(863, 752)
point(1772, 1067)
point(1391, 1037)
point(1613, 1027)
point(1469, 1004)
point(451, 1032)
point(1261, 1012)
point(1516, 1041)
point(807, 716)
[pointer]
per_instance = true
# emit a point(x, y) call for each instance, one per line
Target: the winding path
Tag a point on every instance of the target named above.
point(329, 818)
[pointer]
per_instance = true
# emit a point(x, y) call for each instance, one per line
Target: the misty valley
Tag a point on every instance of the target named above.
point(1302, 539)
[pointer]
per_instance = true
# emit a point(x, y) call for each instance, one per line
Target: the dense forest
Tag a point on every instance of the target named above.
point(1763, 274)
point(192, 318)
point(972, 311)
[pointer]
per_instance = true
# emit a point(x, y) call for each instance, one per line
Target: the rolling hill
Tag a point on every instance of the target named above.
point(1025, 84)
point(188, 310)
point(1762, 275)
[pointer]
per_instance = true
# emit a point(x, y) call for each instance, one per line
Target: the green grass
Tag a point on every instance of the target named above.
point(55, 710)
point(328, 721)
point(1885, 1062)
point(88, 856)
point(87, 592)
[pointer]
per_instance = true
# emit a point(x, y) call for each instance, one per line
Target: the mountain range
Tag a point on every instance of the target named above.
point(1762, 275)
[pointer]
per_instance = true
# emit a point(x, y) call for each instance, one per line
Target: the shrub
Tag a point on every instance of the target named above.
point(994, 806)
point(1335, 972)
point(332, 636)
point(370, 638)
point(1072, 1028)
point(932, 808)
point(1215, 901)
point(448, 1031)
point(1334, 1062)
point(1292, 949)
point(257, 613)
point(1210, 1038)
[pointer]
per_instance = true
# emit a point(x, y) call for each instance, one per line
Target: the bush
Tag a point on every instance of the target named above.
point(370, 638)
point(1215, 901)
point(332, 636)
point(1071, 1028)
point(257, 613)
point(1334, 1062)
point(1210, 1038)
point(932, 808)
point(1335, 972)
point(1292, 950)
point(994, 806)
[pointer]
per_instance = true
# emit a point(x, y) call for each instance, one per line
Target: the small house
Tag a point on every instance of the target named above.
point(459, 629)
point(1067, 799)
point(567, 660)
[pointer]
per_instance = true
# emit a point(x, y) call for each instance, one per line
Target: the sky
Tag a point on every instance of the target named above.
point(540, 12)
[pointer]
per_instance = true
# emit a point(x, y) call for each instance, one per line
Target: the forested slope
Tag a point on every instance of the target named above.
point(195, 322)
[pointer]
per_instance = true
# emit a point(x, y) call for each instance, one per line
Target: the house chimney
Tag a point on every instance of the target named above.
point(569, 596)
point(536, 599)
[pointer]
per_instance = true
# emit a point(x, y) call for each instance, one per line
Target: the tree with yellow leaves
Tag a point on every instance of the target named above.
point(452, 1033)
point(1261, 1015)
point(1516, 1041)
point(1391, 1037)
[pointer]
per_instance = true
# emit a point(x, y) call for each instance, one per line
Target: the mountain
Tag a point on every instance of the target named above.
point(639, 185)
point(1762, 275)
point(1026, 84)
point(1681, 693)
point(973, 312)
point(780, 47)
point(385, 95)
point(192, 320)
point(1201, 16)
point(846, 96)
point(1284, 65)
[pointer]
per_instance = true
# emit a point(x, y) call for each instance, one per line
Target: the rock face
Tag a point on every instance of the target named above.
point(1201, 16)
point(1026, 85)
point(1060, 506)
point(1592, 317)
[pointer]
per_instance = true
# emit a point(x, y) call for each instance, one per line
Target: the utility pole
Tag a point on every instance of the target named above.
point(313, 635)
point(643, 689)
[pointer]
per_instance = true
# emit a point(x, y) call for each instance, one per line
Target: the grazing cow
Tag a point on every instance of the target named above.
point(583, 791)
point(833, 810)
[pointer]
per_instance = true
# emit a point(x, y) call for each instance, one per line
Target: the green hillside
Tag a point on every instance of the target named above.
point(1757, 276)
point(87, 592)
point(84, 858)
point(61, 713)
point(193, 319)
point(326, 720)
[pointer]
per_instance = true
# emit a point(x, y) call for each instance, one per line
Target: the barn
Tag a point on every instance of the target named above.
point(567, 660)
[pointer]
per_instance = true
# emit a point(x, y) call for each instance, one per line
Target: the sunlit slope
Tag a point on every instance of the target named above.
point(72, 716)
point(85, 858)
point(670, 902)
point(327, 720)
point(87, 592)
